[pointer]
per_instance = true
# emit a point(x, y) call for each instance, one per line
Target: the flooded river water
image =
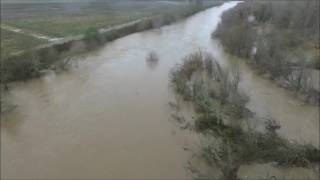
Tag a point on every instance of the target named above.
point(108, 117)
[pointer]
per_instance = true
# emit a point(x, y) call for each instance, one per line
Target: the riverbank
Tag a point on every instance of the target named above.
point(276, 44)
point(25, 65)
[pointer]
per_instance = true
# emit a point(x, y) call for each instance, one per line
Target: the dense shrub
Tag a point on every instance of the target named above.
point(92, 37)
point(235, 32)
point(238, 147)
point(24, 68)
point(47, 57)
point(91, 34)
point(181, 75)
point(201, 79)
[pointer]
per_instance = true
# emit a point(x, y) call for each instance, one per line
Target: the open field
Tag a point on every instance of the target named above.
point(62, 19)
point(15, 42)
point(59, 19)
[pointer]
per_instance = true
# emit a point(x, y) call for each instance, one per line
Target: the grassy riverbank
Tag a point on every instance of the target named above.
point(279, 39)
point(61, 19)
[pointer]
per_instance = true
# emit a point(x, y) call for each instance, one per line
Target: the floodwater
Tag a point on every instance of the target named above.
point(108, 117)
point(272, 172)
point(299, 122)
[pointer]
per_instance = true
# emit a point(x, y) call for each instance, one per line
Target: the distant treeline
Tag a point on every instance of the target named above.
point(280, 38)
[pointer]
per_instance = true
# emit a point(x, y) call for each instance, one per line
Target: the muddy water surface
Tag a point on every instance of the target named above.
point(299, 122)
point(108, 116)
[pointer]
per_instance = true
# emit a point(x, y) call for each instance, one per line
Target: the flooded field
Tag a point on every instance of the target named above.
point(108, 117)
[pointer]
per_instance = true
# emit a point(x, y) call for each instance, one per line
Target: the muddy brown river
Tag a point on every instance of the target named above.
point(108, 116)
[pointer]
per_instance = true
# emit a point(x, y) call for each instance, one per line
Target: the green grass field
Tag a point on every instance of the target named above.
point(12, 42)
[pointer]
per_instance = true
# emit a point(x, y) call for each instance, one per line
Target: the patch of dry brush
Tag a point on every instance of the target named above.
point(215, 94)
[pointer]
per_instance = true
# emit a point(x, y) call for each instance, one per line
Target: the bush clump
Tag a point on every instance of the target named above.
point(238, 147)
point(92, 37)
point(15, 68)
point(201, 79)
